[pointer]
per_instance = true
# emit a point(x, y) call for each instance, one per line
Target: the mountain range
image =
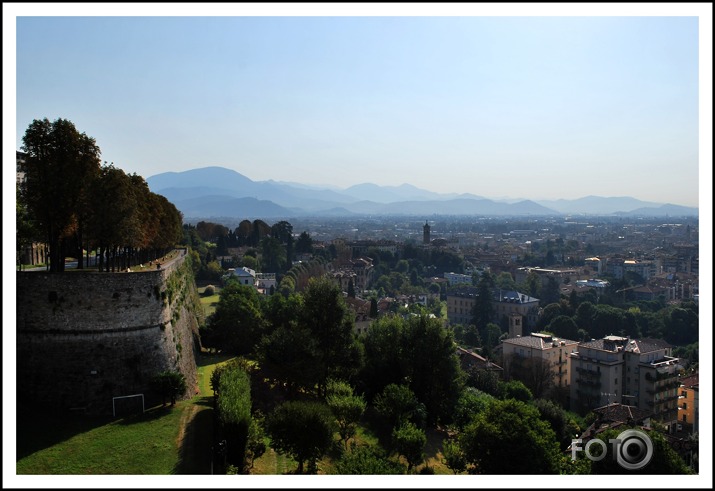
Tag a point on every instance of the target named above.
point(208, 192)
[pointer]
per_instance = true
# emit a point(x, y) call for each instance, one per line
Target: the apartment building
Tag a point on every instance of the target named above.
point(460, 306)
point(640, 373)
point(688, 403)
point(552, 350)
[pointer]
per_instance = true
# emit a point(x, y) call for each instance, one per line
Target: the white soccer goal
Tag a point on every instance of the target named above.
point(127, 404)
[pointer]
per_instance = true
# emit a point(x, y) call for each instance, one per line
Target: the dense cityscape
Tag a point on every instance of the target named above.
point(361, 345)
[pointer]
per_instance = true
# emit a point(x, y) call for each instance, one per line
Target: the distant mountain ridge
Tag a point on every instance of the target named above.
point(220, 192)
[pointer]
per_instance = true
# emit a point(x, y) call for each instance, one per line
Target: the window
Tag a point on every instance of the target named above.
point(685, 405)
point(615, 382)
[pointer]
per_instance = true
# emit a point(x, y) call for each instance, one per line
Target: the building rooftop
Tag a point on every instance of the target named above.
point(539, 341)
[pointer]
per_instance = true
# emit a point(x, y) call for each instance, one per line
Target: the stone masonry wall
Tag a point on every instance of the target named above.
point(85, 337)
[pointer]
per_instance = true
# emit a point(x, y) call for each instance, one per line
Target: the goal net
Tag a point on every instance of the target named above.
point(126, 405)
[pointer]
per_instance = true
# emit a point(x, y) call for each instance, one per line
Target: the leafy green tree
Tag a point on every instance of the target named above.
point(237, 324)
point(682, 327)
point(291, 355)
point(60, 165)
point(565, 427)
point(384, 355)
point(454, 457)
point(514, 389)
point(471, 402)
point(483, 304)
point(301, 429)
point(304, 244)
point(330, 322)
point(398, 404)
point(490, 336)
point(418, 352)
point(549, 313)
point(256, 445)
point(346, 407)
point(564, 327)
point(505, 281)
point(483, 380)
point(532, 283)
point(435, 375)
point(273, 255)
point(410, 441)
point(506, 429)
point(368, 460)
point(169, 384)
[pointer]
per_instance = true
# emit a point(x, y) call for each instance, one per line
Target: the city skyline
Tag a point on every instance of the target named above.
point(503, 107)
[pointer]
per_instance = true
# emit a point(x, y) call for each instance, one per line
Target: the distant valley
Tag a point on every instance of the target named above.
point(208, 192)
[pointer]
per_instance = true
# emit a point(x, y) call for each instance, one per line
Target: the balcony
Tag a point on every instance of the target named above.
point(589, 383)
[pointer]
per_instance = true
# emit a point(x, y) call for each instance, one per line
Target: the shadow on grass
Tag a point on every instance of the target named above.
point(195, 453)
point(38, 430)
point(150, 414)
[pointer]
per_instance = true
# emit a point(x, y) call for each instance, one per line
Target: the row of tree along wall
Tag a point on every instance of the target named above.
point(84, 337)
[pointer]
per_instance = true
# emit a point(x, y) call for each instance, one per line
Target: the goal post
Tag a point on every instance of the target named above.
point(127, 404)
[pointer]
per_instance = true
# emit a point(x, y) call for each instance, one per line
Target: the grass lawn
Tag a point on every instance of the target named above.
point(159, 442)
point(209, 303)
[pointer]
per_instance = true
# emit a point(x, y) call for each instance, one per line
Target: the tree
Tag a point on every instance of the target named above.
point(237, 324)
point(434, 371)
point(169, 384)
point(537, 376)
point(373, 308)
point(509, 429)
point(303, 430)
point(483, 304)
point(514, 389)
point(256, 445)
point(398, 404)
point(330, 322)
point(564, 327)
point(410, 441)
point(60, 165)
point(351, 289)
point(471, 402)
point(304, 244)
point(565, 427)
point(454, 457)
point(483, 380)
point(368, 460)
point(549, 293)
point(346, 407)
point(505, 281)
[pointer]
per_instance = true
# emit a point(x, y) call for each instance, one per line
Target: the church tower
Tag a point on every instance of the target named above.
point(425, 234)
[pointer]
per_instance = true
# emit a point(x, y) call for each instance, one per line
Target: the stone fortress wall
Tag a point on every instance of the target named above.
point(84, 337)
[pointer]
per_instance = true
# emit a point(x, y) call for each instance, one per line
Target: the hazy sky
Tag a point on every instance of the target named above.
point(563, 102)
point(521, 107)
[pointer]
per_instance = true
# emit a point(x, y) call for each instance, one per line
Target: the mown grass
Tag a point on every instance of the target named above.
point(144, 444)
point(209, 303)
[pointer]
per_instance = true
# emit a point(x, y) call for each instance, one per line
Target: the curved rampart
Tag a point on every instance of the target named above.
point(85, 337)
